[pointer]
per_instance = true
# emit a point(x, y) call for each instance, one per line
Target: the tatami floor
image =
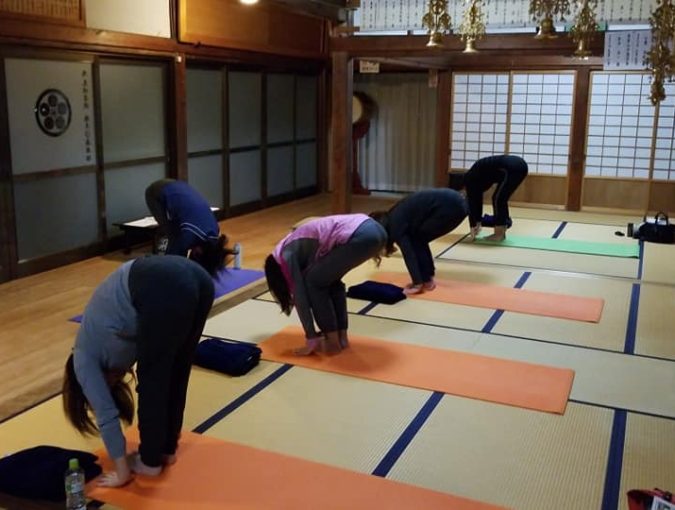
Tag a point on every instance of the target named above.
point(616, 434)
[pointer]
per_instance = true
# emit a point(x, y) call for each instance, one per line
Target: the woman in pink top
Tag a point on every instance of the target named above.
point(305, 270)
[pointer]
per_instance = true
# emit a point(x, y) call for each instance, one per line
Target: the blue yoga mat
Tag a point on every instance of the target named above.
point(226, 281)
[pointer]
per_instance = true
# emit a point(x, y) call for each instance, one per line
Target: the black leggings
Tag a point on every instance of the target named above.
point(173, 297)
point(515, 171)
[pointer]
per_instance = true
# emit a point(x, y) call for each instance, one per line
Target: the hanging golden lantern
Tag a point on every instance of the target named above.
point(584, 27)
point(437, 22)
point(473, 27)
point(660, 59)
point(543, 11)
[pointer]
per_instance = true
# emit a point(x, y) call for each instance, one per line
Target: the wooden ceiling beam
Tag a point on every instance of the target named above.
point(513, 47)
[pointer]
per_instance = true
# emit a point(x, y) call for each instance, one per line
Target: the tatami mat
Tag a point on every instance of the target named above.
point(619, 220)
point(324, 417)
point(595, 233)
point(603, 378)
point(648, 456)
point(512, 457)
point(44, 424)
point(540, 259)
point(656, 321)
point(609, 333)
point(658, 265)
point(208, 392)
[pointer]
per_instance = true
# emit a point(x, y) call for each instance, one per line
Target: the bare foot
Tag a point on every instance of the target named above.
point(311, 345)
point(430, 285)
point(344, 341)
point(411, 289)
point(137, 466)
point(495, 238)
point(332, 343)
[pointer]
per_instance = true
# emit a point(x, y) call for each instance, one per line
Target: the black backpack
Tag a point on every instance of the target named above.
point(658, 230)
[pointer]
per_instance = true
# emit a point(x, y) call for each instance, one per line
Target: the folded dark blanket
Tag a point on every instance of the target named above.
point(378, 292)
point(489, 221)
point(38, 473)
point(227, 356)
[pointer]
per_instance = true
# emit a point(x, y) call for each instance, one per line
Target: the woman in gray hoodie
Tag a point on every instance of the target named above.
point(150, 311)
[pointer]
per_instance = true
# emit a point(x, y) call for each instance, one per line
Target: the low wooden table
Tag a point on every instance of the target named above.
point(142, 230)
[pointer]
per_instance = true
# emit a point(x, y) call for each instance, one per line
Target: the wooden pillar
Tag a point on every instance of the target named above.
point(8, 240)
point(442, 158)
point(178, 151)
point(575, 164)
point(322, 123)
point(341, 132)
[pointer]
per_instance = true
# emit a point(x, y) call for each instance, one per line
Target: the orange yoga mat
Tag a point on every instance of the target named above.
point(212, 475)
point(548, 304)
point(498, 380)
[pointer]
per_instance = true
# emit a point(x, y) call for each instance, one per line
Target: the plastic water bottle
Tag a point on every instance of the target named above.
point(237, 255)
point(74, 480)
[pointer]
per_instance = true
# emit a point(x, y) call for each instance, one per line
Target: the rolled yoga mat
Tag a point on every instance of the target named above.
point(567, 245)
point(516, 383)
point(211, 474)
point(548, 304)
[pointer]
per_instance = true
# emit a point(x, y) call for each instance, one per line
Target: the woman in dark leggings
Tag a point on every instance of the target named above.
point(414, 222)
point(150, 311)
point(507, 172)
point(306, 269)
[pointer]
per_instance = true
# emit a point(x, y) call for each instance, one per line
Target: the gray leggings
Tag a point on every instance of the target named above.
point(323, 280)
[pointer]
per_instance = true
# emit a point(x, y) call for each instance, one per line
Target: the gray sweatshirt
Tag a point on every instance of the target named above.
point(106, 340)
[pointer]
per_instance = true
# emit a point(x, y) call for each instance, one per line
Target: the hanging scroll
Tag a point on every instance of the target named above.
point(626, 49)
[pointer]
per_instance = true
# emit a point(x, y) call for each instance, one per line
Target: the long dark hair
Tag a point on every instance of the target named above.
point(382, 217)
point(212, 254)
point(77, 408)
point(276, 281)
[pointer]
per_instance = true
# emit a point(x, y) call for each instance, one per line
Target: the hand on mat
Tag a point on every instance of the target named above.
point(114, 479)
point(412, 288)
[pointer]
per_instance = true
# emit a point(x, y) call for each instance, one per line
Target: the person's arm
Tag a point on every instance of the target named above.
point(300, 297)
point(410, 257)
point(181, 242)
point(96, 390)
point(474, 197)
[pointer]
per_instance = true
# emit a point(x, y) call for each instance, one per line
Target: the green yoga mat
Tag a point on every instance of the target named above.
point(567, 245)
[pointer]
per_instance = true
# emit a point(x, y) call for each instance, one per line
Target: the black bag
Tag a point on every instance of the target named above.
point(658, 230)
point(38, 473)
point(376, 292)
point(227, 356)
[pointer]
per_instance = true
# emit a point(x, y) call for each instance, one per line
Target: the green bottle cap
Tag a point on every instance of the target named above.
point(73, 464)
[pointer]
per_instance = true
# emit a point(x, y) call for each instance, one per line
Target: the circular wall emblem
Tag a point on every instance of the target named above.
point(52, 112)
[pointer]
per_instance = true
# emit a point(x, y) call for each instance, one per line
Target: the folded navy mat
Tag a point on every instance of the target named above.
point(227, 356)
point(378, 292)
point(38, 473)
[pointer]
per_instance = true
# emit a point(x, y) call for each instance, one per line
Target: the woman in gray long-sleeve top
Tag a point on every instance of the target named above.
point(150, 311)
point(414, 222)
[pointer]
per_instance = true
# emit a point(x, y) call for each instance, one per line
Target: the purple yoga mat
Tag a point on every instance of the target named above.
point(226, 281)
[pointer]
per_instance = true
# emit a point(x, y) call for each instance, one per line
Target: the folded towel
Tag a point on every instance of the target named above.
point(377, 292)
point(38, 473)
point(227, 356)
